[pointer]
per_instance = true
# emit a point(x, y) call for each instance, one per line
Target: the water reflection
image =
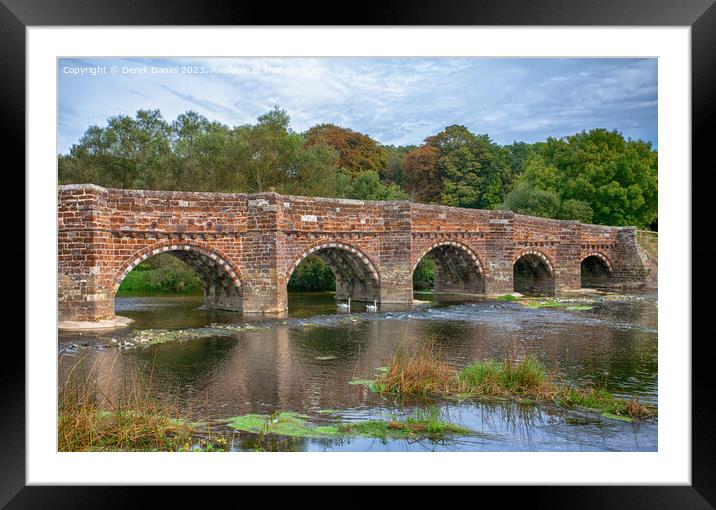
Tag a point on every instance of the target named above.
point(305, 362)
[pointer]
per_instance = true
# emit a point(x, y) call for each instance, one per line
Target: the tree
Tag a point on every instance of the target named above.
point(532, 201)
point(269, 155)
point(356, 152)
point(127, 153)
point(579, 210)
point(395, 157)
point(202, 155)
point(617, 177)
point(368, 186)
point(471, 167)
point(422, 180)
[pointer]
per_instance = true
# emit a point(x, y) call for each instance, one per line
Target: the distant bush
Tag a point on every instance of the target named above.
point(313, 275)
point(162, 273)
point(424, 274)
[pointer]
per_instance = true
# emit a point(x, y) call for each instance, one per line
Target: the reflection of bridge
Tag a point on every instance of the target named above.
point(245, 247)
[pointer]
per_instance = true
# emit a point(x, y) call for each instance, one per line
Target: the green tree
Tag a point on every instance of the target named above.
point(203, 157)
point(368, 186)
point(471, 168)
point(571, 209)
point(617, 177)
point(525, 199)
point(395, 156)
point(127, 153)
point(312, 274)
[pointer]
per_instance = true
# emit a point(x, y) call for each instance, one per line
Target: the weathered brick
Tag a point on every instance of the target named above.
point(245, 247)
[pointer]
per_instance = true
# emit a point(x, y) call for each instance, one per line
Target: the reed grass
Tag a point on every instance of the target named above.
point(425, 373)
point(420, 373)
point(92, 419)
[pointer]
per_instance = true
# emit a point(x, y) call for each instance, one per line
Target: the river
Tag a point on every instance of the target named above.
point(217, 365)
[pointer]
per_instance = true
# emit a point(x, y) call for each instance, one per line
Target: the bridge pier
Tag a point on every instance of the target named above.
point(245, 247)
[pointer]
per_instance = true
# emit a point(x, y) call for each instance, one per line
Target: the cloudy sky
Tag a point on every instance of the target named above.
point(396, 101)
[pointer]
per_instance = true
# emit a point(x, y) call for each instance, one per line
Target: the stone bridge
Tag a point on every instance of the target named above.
point(245, 246)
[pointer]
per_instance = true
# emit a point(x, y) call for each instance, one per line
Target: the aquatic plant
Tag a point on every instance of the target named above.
point(425, 424)
point(527, 376)
point(420, 373)
point(90, 419)
point(601, 400)
point(281, 423)
point(424, 373)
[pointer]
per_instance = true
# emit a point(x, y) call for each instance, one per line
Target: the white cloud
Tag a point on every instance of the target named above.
point(395, 100)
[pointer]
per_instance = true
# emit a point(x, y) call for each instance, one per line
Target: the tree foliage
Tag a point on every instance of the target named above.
point(595, 176)
point(356, 152)
point(617, 177)
point(421, 176)
point(598, 176)
point(312, 274)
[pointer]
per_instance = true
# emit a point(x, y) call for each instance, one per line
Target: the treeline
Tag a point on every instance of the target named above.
point(596, 176)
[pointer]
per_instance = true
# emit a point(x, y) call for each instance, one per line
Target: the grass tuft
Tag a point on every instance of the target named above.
point(498, 378)
point(425, 373)
point(90, 420)
point(420, 373)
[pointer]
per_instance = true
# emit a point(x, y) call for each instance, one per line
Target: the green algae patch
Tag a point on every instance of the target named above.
point(608, 405)
point(411, 428)
point(255, 423)
point(426, 426)
point(507, 297)
point(283, 424)
point(371, 384)
point(579, 308)
point(617, 417)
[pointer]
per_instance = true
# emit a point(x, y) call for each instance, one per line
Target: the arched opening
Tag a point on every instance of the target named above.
point(184, 269)
point(596, 272)
point(532, 274)
point(449, 268)
point(339, 267)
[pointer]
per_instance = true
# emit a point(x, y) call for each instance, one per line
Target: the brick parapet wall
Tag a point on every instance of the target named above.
point(263, 236)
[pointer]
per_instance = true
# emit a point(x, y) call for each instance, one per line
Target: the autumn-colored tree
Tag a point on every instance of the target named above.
point(423, 182)
point(356, 152)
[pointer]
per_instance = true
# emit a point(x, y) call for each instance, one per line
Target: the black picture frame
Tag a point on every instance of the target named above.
point(16, 15)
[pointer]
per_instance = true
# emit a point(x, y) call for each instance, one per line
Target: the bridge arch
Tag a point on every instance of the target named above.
point(595, 270)
point(356, 273)
point(222, 279)
point(458, 269)
point(533, 273)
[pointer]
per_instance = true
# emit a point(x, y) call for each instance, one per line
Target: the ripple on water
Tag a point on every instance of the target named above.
point(218, 364)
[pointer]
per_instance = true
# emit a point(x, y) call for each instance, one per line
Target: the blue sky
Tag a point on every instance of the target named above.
point(396, 101)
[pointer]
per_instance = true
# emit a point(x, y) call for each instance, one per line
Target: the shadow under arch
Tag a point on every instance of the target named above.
point(458, 270)
point(533, 273)
point(356, 274)
point(223, 288)
point(596, 271)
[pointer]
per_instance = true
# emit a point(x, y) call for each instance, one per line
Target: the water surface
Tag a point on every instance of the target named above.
point(220, 364)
